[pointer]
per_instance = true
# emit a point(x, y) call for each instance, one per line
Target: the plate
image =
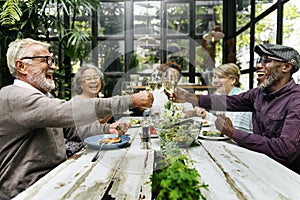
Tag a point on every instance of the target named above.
point(153, 135)
point(201, 136)
point(93, 141)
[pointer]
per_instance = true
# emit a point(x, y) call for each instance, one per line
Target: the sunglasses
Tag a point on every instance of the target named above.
point(48, 59)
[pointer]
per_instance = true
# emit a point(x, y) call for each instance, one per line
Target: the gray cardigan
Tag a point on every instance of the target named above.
point(31, 132)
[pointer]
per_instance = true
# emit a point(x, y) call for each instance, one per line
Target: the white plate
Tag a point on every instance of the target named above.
point(201, 136)
point(153, 135)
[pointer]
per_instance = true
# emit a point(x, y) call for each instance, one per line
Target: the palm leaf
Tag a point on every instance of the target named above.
point(11, 12)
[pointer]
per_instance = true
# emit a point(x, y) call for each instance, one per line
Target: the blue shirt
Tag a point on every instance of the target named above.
point(275, 118)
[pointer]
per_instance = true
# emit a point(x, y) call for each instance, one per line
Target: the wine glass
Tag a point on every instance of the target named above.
point(170, 81)
point(126, 89)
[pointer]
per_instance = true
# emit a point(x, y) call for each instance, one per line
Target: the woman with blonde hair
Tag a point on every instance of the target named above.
point(227, 82)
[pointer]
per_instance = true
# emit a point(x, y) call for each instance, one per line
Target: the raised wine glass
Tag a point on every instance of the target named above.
point(170, 81)
point(126, 89)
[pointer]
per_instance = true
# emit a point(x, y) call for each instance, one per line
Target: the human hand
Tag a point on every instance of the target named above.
point(142, 99)
point(224, 125)
point(119, 127)
point(180, 96)
point(201, 112)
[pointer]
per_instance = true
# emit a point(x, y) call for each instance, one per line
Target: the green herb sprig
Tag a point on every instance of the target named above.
point(176, 179)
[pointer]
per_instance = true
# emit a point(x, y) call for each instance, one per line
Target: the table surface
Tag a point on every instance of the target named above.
point(231, 172)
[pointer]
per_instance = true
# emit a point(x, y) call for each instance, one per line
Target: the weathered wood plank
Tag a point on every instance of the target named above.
point(249, 173)
point(211, 174)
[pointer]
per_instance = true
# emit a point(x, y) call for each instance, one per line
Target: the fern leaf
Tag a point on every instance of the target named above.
point(11, 12)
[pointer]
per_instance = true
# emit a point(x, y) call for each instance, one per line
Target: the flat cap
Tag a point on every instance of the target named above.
point(285, 53)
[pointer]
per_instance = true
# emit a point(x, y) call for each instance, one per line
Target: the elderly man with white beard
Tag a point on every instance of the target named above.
point(275, 106)
point(31, 122)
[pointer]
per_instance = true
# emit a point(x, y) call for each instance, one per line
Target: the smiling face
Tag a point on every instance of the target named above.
point(36, 71)
point(90, 83)
point(268, 72)
point(224, 84)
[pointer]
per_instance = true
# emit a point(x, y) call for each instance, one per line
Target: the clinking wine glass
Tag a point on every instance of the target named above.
point(170, 81)
point(126, 89)
point(154, 83)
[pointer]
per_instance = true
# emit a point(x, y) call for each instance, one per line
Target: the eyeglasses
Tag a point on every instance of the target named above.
point(267, 59)
point(90, 78)
point(48, 59)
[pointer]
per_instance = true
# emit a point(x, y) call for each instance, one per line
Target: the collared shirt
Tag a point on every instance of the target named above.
point(23, 84)
point(275, 119)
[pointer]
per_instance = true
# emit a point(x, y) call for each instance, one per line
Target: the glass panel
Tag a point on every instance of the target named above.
point(291, 32)
point(266, 29)
point(178, 18)
point(244, 79)
point(202, 17)
point(263, 5)
point(178, 51)
point(203, 60)
point(111, 18)
point(148, 52)
point(204, 64)
point(111, 56)
point(243, 49)
point(147, 18)
point(243, 11)
point(208, 16)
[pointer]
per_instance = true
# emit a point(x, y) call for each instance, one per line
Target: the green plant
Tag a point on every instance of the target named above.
point(50, 20)
point(176, 179)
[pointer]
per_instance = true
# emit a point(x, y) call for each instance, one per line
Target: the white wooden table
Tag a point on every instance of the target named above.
point(230, 171)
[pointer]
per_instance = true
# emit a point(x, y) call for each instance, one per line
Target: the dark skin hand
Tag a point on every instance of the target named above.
point(224, 125)
point(180, 96)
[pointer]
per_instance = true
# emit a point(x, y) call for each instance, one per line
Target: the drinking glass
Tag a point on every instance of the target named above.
point(145, 135)
point(170, 81)
point(126, 89)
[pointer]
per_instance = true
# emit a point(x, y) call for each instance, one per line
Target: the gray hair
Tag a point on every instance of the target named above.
point(78, 77)
point(21, 48)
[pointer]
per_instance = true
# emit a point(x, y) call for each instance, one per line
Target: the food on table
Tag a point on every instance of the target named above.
point(110, 140)
point(135, 121)
point(212, 133)
point(205, 122)
point(184, 135)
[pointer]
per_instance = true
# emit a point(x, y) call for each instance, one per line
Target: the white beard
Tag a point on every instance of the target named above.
point(40, 79)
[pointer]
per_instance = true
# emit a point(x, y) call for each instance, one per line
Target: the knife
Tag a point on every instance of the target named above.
point(97, 154)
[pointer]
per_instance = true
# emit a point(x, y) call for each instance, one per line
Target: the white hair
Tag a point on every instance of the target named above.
point(21, 48)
